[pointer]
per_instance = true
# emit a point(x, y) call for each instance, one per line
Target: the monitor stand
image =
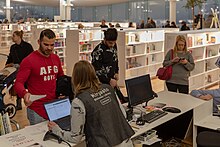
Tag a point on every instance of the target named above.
point(129, 110)
point(129, 113)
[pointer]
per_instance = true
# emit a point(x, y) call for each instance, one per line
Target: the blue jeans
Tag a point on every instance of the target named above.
point(33, 117)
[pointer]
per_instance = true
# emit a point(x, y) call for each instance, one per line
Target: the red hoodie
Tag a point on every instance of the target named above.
point(40, 74)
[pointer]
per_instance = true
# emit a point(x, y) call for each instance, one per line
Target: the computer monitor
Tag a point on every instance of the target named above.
point(139, 90)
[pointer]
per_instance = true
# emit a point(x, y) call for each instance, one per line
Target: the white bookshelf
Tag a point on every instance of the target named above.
point(204, 46)
point(60, 45)
point(141, 53)
point(79, 45)
point(5, 38)
point(6, 41)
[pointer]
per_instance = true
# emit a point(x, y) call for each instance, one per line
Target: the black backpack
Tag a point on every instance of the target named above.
point(64, 87)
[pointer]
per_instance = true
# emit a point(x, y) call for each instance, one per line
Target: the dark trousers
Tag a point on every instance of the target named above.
point(18, 103)
point(177, 87)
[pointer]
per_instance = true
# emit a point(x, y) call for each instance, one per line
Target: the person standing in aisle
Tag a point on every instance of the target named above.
point(184, 27)
point(105, 58)
point(182, 63)
point(18, 52)
point(95, 112)
point(173, 25)
point(39, 72)
point(142, 24)
point(103, 25)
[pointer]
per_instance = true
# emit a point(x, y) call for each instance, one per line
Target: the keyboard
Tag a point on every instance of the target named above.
point(64, 123)
point(153, 115)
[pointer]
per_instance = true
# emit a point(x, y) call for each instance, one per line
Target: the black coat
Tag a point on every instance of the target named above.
point(18, 52)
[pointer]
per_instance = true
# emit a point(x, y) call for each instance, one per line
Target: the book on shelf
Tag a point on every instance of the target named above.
point(137, 37)
point(85, 47)
point(132, 62)
point(207, 37)
point(131, 38)
point(198, 40)
point(189, 41)
point(2, 129)
point(129, 48)
point(209, 79)
point(213, 39)
point(147, 61)
point(59, 44)
point(126, 38)
point(7, 124)
point(153, 58)
point(134, 50)
point(152, 47)
point(85, 57)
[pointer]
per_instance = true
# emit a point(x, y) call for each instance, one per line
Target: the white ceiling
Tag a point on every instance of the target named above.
point(76, 3)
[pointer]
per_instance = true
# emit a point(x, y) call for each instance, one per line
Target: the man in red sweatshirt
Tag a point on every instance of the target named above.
point(39, 71)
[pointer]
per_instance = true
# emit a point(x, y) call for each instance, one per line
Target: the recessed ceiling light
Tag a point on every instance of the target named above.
point(20, 0)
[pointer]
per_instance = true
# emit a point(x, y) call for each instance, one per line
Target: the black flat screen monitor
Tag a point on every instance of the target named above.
point(139, 90)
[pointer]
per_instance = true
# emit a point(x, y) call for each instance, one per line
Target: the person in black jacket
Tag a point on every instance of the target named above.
point(18, 52)
point(184, 27)
point(105, 58)
point(103, 25)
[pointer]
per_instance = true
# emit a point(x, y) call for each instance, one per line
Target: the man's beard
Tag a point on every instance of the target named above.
point(45, 52)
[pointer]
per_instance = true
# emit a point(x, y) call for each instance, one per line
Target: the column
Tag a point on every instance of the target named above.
point(62, 10)
point(8, 9)
point(172, 10)
point(68, 10)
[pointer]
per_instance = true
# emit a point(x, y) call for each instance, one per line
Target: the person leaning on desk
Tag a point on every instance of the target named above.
point(95, 112)
point(208, 138)
point(207, 95)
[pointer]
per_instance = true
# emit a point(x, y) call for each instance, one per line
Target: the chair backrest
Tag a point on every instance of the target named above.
point(208, 139)
point(64, 87)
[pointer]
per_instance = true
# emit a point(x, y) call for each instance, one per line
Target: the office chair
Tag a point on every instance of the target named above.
point(208, 139)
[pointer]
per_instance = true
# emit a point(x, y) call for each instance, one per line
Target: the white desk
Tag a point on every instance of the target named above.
point(203, 118)
point(35, 134)
point(29, 136)
point(182, 101)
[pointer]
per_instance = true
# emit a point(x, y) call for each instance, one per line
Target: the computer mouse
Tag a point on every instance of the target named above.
point(171, 109)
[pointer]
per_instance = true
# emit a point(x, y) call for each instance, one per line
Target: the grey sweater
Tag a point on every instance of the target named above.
point(181, 73)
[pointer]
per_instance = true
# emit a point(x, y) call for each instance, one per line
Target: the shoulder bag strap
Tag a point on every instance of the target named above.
point(171, 53)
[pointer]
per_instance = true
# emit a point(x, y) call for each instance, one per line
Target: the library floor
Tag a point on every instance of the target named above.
point(21, 116)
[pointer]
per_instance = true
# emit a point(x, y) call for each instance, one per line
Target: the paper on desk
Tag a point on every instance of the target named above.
point(36, 97)
point(17, 139)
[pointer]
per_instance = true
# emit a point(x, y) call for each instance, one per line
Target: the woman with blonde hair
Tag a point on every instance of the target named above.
point(95, 112)
point(182, 63)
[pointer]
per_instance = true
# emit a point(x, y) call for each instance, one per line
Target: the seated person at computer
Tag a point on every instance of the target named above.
point(207, 95)
point(96, 112)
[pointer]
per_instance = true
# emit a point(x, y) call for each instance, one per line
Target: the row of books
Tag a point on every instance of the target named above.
point(140, 49)
point(201, 41)
point(5, 125)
